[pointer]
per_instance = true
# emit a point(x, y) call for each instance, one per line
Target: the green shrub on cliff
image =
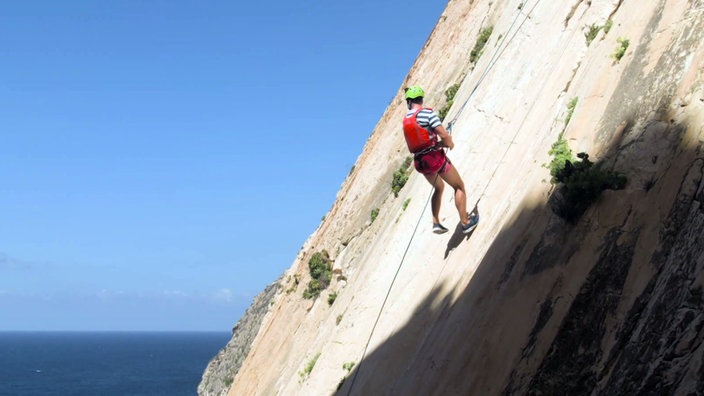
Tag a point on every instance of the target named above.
point(581, 180)
point(478, 49)
point(561, 154)
point(571, 105)
point(400, 176)
point(591, 33)
point(449, 100)
point(320, 269)
point(332, 297)
point(623, 44)
point(374, 214)
point(305, 373)
point(593, 30)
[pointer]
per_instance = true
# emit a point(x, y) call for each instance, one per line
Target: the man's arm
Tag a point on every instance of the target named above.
point(446, 138)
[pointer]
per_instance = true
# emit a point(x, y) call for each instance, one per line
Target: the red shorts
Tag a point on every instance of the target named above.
point(432, 162)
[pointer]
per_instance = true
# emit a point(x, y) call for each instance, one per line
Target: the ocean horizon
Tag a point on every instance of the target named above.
point(106, 363)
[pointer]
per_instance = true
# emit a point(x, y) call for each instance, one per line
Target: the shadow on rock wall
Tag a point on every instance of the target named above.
point(491, 340)
point(545, 311)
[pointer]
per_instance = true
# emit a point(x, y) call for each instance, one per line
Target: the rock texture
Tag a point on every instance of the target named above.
point(221, 370)
point(528, 304)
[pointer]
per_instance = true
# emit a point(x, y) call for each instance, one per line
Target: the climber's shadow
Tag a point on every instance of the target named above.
point(458, 236)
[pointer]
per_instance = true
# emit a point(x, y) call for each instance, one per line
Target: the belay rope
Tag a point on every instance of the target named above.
point(494, 58)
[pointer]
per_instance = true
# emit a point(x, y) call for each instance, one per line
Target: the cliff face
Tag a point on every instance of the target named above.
point(529, 303)
point(221, 370)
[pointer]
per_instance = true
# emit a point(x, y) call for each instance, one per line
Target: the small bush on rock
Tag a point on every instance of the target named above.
point(332, 297)
point(623, 44)
point(449, 100)
point(348, 366)
point(478, 49)
point(401, 176)
point(374, 214)
point(320, 268)
point(305, 373)
point(561, 154)
point(591, 33)
point(582, 181)
point(571, 105)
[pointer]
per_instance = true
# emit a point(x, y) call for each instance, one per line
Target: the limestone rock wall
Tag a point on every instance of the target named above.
point(529, 303)
point(223, 368)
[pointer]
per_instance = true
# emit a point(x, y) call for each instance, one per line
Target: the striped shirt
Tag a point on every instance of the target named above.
point(427, 118)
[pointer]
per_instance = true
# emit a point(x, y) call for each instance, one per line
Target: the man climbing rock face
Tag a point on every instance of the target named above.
point(426, 137)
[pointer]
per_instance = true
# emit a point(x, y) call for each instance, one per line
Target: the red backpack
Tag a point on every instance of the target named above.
point(417, 137)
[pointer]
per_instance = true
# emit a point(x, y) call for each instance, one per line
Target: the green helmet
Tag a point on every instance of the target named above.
point(414, 92)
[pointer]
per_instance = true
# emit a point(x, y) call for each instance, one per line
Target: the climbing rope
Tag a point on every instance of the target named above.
point(500, 48)
point(492, 62)
point(366, 346)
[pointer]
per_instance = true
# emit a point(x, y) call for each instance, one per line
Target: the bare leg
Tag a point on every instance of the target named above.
point(438, 186)
point(453, 178)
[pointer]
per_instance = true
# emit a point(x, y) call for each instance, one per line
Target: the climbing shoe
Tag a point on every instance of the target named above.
point(473, 221)
point(439, 229)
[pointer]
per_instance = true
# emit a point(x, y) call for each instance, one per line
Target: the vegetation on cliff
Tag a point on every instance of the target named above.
point(320, 268)
point(400, 176)
point(581, 180)
point(478, 49)
point(449, 100)
point(620, 50)
point(593, 30)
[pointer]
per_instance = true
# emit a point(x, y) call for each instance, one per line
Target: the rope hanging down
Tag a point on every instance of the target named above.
point(492, 62)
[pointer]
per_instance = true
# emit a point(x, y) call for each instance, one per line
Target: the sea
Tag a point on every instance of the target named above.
point(105, 363)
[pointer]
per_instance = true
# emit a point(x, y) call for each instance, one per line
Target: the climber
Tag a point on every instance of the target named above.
point(421, 128)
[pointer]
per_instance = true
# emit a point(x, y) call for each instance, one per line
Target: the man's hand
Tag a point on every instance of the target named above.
point(446, 139)
point(447, 142)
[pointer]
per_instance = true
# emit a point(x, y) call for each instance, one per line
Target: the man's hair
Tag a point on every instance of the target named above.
point(418, 100)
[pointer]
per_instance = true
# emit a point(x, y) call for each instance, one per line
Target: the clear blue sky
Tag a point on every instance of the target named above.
point(163, 161)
